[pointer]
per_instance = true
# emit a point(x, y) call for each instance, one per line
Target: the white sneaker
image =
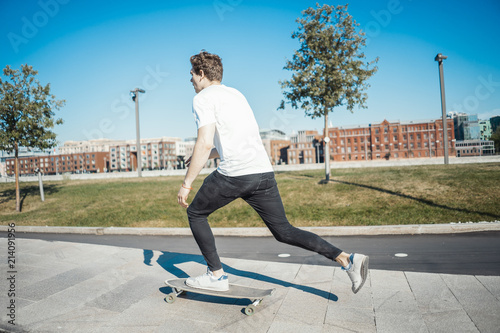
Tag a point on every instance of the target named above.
point(358, 271)
point(209, 281)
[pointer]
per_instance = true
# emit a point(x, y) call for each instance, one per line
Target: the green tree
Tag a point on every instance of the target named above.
point(329, 69)
point(496, 139)
point(26, 115)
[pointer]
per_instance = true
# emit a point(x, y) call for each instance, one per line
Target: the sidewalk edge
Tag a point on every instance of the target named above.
point(413, 229)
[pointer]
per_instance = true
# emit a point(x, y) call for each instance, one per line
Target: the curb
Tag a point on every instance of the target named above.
point(413, 229)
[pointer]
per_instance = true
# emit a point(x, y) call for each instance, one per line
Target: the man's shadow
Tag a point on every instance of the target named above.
point(169, 261)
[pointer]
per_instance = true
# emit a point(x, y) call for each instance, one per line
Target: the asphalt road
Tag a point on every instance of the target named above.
point(461, 253)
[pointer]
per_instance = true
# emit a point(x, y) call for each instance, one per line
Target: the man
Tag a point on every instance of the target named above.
point(225, 120)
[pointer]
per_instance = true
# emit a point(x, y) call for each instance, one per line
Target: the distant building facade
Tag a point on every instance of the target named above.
point(495, 123)
point(102, 155)
point(399, 140)
point(23, 152)
point(387, 140)
point(467, 148)
point(275, 142)
point(305, 148)
point(59, 164)
point(485, 130)
point(278, 151)
point(466, 126)
point(156, 154)
point(90, 146)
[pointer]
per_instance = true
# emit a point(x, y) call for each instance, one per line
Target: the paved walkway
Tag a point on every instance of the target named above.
point(72, 287)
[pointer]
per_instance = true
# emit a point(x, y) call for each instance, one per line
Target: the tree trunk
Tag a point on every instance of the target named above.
point(327, 149)
point(16, 175)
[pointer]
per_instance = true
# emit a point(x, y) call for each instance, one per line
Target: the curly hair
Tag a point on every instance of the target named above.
point(210, 64)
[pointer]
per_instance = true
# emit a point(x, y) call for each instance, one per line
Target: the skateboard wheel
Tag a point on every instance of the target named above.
point(250, 310)
point(170, 298)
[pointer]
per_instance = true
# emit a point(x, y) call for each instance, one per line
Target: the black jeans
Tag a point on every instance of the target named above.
point(261, 192)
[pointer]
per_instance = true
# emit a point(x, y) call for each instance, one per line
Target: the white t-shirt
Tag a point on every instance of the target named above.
point(237, 137)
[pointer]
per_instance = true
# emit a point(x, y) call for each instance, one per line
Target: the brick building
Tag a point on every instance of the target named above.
point(388, 140)
point(58, 164)
point(276, 143)
point(398, 140)
point(278, 151)
point(305, 148)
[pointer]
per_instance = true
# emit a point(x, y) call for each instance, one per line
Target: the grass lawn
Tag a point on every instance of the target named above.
point(365, 196)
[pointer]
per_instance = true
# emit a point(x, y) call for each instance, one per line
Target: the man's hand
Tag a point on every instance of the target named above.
point(182, 196)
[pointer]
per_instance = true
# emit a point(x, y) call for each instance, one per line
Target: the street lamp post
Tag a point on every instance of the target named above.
point(439, 58)
point(317, 151)
point(135, 98)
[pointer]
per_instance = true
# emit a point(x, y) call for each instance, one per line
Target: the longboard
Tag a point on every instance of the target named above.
point(256, 295)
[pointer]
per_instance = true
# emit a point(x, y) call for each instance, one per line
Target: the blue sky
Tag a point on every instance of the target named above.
point(94, 52)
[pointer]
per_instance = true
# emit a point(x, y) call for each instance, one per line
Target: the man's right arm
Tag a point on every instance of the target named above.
point(213, 154)
point(202, 151)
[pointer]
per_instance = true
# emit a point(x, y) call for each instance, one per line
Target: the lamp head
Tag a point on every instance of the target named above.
point(440, 57)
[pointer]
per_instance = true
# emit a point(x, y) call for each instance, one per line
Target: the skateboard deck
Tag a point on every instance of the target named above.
point(256, 295)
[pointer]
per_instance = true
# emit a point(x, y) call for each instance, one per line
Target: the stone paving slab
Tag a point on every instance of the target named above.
point(69, 287)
